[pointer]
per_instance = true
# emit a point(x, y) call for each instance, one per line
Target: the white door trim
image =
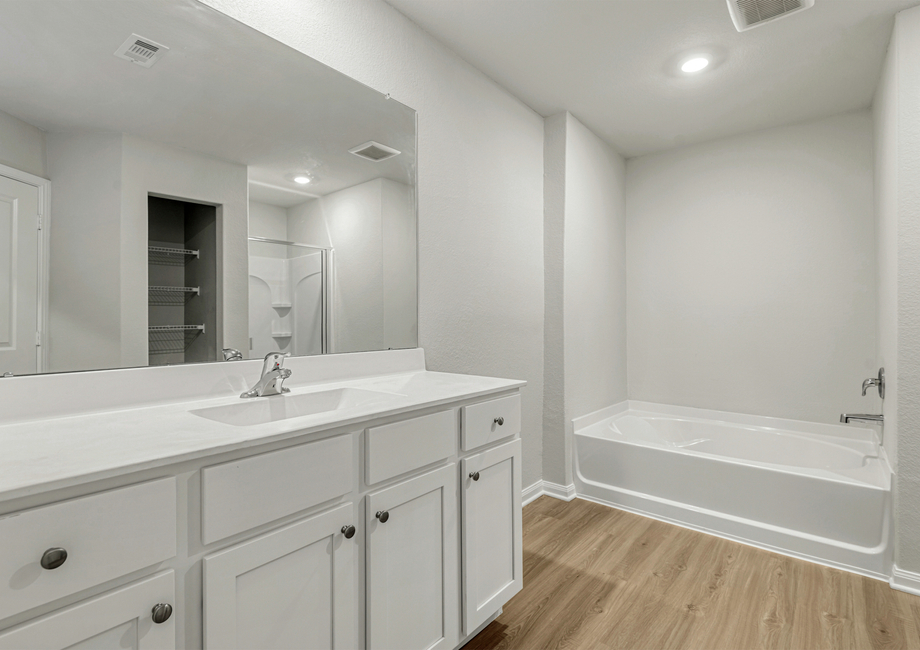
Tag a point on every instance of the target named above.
point(44, 261)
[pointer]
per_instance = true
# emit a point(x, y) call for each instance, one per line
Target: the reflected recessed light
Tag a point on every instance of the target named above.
point(301, 180)
point(695, 64)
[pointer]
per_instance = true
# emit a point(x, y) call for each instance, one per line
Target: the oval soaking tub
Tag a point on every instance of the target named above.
point(821, 492)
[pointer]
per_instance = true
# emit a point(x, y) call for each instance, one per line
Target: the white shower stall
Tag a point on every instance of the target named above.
point(288, 285)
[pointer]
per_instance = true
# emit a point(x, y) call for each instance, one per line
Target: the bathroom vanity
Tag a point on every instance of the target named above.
point(376, 505)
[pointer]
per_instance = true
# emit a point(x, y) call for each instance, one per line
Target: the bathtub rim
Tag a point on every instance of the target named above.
point(801, 426)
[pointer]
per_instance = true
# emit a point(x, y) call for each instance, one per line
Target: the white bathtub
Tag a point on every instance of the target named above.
point(821, 492)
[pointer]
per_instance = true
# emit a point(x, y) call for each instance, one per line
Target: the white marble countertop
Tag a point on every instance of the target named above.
point(43, 455)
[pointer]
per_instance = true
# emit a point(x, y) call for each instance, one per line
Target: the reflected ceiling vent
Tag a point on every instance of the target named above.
point(747, 14)
point(374, 151)
point(141, 51)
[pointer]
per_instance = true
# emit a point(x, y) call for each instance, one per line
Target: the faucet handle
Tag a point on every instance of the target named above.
point(274, 360)
point(878, 382)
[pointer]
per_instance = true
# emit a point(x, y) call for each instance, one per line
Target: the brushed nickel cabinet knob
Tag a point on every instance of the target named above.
point(53, 558)
point(474, 476)
point(382, 515)
point(161, 613)
point(499, 421)
point(348, 531)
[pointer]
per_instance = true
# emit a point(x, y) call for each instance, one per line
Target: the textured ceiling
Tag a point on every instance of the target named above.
point(612, 62)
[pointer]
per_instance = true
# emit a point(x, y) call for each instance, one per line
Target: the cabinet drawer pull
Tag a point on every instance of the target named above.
point(161, 612)
point(382, 515)
point(474, 476)
point(53, 558)
point(499, 421)
point(348, 531)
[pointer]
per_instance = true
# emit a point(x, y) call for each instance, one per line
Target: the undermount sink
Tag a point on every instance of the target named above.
point(263, 410)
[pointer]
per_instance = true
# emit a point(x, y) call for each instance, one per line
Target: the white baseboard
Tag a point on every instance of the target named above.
point(532, 493)
point(538, 489)
point(905, 580)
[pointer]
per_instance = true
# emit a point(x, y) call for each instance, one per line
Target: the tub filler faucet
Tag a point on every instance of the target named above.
point(876, 382)
point(862, 417)
point(273, 374)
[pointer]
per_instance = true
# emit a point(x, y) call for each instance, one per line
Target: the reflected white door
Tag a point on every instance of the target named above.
point(19, 288)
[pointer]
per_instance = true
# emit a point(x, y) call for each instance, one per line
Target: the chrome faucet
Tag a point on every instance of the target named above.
point(273, 375)
point(232, 354)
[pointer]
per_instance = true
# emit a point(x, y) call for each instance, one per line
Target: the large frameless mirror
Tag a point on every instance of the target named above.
point(177, 187)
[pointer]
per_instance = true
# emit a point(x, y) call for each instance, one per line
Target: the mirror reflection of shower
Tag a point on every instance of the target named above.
point(288, 289)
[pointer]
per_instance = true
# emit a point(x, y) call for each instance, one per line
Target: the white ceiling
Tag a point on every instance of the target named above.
point(223, 89)
point(611, 62)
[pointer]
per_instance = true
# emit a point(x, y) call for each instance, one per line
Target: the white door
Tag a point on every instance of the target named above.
point(117, 620)
point(295, 587)
point(19, 277)
point(493, 564)
point(412, 570)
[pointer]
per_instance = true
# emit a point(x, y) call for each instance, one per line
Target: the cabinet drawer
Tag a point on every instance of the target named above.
point(249, 492)
point(106, 535)
point(401, 447)
point(117, 619)
point(481, 421)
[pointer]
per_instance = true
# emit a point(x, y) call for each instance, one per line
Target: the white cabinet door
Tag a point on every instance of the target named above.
point(295, 587)
point(412, 564)
point(493, 564)
point(118, 620)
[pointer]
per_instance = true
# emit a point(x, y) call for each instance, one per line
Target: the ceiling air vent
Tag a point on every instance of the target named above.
point(141, 51)
point(753, 13)
point(374, 151)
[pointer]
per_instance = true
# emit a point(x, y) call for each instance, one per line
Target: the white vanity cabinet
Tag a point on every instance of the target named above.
point(368, 533)
point(412, 564)
point(295, 587)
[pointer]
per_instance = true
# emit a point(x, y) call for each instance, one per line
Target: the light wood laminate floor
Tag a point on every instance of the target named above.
point(600, 578)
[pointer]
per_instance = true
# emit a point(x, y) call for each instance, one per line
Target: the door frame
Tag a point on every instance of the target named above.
point(44, 260)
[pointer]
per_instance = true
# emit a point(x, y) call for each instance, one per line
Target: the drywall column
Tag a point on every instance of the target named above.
point(897, 114)
point(585, 282)
point(557, 459)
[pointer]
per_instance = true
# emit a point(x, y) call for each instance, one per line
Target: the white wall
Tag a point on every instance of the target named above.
point(480, 180)
point(22, 146)
point(897, 113)
point(84, 293)
point(595, 273)
point(353, 220)
point(400, 265)
point(269, 221)
point(751, 272)
point(585, 280)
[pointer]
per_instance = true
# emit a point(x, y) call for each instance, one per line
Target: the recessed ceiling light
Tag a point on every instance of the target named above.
point(301, 180)
point(695, 64)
